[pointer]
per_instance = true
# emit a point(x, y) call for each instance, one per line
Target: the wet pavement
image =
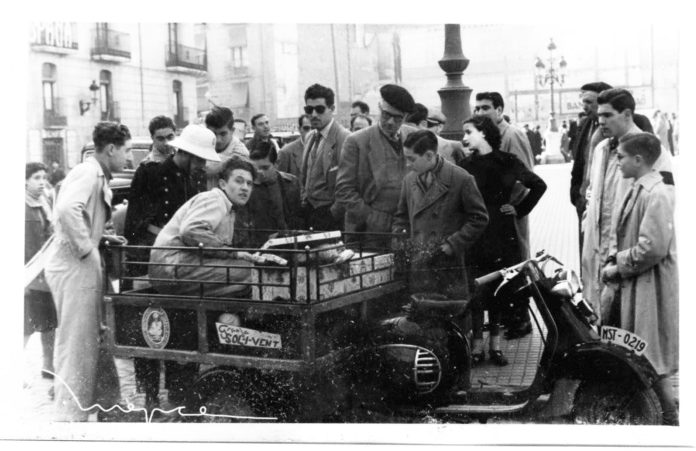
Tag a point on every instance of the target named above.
point(553, 226)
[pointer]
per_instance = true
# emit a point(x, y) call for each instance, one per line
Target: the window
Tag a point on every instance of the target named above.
point(239, 57)
point(105, 95)
point(178, 101)
point(48, 86)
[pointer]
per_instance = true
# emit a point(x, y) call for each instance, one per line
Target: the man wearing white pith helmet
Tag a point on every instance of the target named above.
point(157, 191)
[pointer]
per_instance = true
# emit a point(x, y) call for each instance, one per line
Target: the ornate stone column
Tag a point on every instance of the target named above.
point(454, 96)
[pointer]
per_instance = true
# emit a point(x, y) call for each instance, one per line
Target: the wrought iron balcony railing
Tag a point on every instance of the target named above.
point(111, 44)
point(184, 57)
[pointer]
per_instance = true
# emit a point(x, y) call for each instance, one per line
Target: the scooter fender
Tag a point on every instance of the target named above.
point(601, 361)
point(594, 361)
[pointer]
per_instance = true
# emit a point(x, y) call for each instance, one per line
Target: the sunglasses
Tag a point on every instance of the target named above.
point(319, 108)
point(306, 128)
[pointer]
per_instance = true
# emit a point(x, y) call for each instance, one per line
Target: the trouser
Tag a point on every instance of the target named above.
point(86, 370)
point(178, 377)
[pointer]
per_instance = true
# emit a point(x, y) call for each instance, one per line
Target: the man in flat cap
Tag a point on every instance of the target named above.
point(372, 165)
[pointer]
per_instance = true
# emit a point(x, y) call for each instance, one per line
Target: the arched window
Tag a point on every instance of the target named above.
point(105, 95)
point(48, 80)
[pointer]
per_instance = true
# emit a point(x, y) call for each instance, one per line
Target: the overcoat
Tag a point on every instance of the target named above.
point(451, 210)
point(74, 274)
point(604, 194)
point(366, 186)
point(647, 263)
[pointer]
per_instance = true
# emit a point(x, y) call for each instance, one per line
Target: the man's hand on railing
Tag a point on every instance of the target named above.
point(114, 240)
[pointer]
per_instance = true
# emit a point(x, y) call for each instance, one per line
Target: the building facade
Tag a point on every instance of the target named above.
point(82, 73)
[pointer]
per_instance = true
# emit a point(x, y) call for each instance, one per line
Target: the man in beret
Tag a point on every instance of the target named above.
point(372, 165)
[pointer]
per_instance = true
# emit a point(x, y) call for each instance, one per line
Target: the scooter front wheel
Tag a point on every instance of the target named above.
point(614, 402)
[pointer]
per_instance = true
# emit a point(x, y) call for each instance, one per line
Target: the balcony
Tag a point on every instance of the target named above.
point(184, 59)
point(54, 37)
point(112, 113)
point(239, 71)
point(110, 45)
point(55, 118)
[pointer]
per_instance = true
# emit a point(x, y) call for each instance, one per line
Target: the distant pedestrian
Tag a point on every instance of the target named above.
point(290, 156)
point(496, 174)
point(645, 263)
point(39, 310)
point(240, 129)
point(359, 122)
point(261, 126)
point(358, 108)
point(74, 274)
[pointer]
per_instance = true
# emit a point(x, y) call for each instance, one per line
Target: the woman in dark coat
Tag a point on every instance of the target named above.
point(496, 172)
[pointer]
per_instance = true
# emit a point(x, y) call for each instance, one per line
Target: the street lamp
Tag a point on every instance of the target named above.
point(85, 104)
point(550, 75)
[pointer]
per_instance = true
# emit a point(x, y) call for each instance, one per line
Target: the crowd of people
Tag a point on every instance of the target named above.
point(464, 207)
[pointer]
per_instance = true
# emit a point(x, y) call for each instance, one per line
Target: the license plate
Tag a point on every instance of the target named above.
point(240, 336)
point(623, 338)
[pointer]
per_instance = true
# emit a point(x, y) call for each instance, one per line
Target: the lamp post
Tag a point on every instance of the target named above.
point(551, 75)
point(454, 96)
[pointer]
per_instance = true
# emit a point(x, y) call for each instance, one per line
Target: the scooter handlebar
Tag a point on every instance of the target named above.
point(489, 278)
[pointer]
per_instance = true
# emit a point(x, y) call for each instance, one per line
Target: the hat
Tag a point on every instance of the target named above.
point(397, 97)
point(197, 140)
point(436, 116)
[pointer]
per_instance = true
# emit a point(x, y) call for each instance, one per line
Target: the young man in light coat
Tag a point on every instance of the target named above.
point(645, 263)
point(74, 274)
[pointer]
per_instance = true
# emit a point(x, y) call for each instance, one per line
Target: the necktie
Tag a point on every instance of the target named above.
point(314, 145)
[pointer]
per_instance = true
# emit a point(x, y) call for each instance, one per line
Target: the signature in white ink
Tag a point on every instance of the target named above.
point(148, 414)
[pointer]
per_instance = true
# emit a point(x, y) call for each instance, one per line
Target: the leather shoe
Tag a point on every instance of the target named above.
point(497, 357)
point(477, 358)
point(518, 330)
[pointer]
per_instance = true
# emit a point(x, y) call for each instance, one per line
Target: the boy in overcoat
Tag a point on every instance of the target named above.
point(645, 263)
point(443, 211)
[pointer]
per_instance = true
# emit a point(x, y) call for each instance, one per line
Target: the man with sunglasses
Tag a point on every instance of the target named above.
point(320, 160)
point(290, 156)
point(372, 165)
point(157, 192)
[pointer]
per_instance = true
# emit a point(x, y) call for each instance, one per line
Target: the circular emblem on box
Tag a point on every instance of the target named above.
point(155, 327)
